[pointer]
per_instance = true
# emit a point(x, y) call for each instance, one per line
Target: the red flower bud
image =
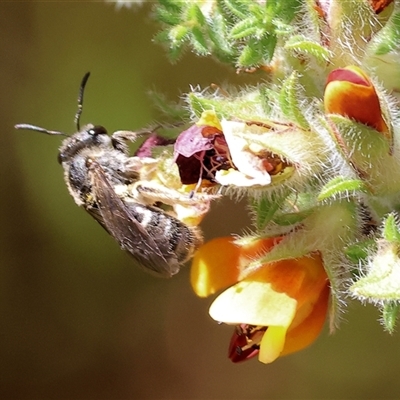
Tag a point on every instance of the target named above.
point(350, 93)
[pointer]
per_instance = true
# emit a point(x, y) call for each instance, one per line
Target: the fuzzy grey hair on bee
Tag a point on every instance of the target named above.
point(101, 177)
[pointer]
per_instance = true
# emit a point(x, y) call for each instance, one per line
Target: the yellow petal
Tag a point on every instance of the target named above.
point(253, 303)
point(302, 335)
point(215, 266)
point(220, 262)
point(272, 344)
point(209, 118)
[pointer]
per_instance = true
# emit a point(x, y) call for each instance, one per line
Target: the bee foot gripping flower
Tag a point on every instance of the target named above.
point(278, 309)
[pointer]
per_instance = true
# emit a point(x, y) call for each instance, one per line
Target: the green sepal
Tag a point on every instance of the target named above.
point(174, 111)
point(341, 185)
point(199, 104)
point(381, 280)
point(388, 38)
point(268, 97)
point(391, 230)
point(264, 208)
point(358, 252)
point(288, 219)
point(390, 312)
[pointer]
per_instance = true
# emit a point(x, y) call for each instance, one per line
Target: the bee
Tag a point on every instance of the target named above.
point(103, 179)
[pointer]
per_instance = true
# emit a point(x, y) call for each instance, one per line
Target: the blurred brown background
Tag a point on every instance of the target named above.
point(77, 319)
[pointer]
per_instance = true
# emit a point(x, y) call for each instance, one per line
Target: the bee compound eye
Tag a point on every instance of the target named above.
point(89, 162)
point(97, 130)
point(61, 158)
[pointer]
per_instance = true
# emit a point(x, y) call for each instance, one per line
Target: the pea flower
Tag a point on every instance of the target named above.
point(220, 152)
point(278, 309)
point(254, 165)
point(350, 92)
point(201, 150)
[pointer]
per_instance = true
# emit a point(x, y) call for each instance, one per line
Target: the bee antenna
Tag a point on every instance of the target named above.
point(38, 129)
point(80, 100)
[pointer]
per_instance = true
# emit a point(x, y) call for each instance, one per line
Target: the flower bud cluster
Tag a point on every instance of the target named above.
point(315, 147)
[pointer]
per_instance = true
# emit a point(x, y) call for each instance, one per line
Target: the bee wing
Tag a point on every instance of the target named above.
point(119, 220)
point(96, 214)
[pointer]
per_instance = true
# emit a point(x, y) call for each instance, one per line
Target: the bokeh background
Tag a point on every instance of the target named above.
point(77, 319)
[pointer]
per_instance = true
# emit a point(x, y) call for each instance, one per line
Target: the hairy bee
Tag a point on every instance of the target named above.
point(103, 179)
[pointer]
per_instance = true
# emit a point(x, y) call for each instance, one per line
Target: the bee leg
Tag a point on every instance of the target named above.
point(151, 193)
point(185, 207)
point(119, 139)
point(154, 193)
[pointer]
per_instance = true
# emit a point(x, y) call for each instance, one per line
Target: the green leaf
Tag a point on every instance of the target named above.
point(172, 5)
point(246, 27)
point(178, 33)
point(175, 52)
point(268, 44)
point(174, 48)
point(340, 185)
point(237, 7)
point(199, 41)
point(257, 51)
point(282, 28)
point(284, 10)
point(195, 15)
point(302, 45)
point(250, 56)
point(290, 102)
point(389, 315)
point(222, 47)
point(168, 12)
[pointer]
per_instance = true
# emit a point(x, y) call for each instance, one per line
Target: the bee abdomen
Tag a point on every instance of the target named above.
point(183, 240)
point(174, 238)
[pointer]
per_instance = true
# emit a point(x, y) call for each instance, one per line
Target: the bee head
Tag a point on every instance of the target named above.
point(91, 136)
